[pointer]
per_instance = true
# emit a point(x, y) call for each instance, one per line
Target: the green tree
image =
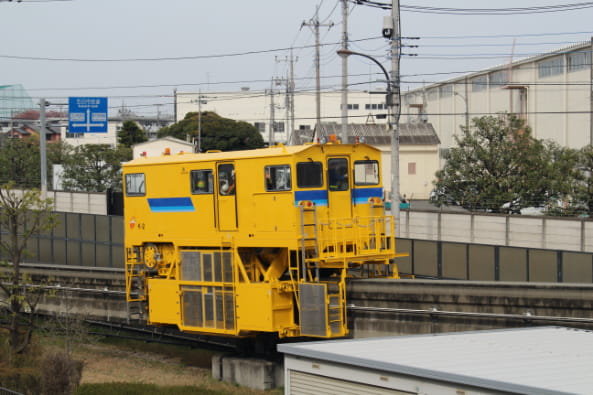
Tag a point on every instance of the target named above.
point(20, 163)
point(583, 194)
point(131, 134)
point(218, 133)
point(58, 152)
point(94, 168)
point(23, 214)
point(496, 162)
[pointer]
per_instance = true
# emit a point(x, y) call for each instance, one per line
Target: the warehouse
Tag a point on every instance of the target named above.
point(544, 360)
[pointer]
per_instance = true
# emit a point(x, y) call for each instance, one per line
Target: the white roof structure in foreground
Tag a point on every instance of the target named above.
point(545, 360)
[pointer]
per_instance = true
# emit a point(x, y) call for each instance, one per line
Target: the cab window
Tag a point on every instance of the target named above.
point(309, 174)
point(366, 172)
point(226, 179)
point(338, 174)
point(201, 182)
point(135, 184)
point(277, 178)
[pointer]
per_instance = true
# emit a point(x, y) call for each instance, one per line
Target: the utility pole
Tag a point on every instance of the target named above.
point(289, 100)
point(200, 100)
point(315, 24)
point(272, 119)
point(42, 149)
point(344, 134)
point(175, 105)
point(290, 95)
point(394, 103)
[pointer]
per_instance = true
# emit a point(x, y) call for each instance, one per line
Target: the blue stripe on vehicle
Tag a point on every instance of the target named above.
point(319, 197)
point(362, 195)
point(171, 205)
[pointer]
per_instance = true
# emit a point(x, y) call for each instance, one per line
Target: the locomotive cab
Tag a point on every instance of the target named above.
point(245, 242)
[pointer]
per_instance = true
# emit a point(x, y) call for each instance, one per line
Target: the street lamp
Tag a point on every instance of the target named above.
point(393, 132)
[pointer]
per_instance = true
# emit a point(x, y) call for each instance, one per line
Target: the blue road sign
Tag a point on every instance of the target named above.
point(87, 114)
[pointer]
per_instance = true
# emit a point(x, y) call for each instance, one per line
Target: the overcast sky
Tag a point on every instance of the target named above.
point(57, 49)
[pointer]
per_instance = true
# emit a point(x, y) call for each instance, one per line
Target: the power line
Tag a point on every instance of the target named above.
point(172, 58)
point(479, 11)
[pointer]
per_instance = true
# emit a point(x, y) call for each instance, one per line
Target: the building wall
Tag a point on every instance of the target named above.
point(417, 167)
point(254, 107)
point(557, 106)
point(157, 147)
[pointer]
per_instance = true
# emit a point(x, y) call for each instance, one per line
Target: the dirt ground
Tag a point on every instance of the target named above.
point(108, 363)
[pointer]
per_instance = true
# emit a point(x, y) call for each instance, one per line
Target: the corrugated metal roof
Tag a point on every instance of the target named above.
point(417, 133)
point(546, 360)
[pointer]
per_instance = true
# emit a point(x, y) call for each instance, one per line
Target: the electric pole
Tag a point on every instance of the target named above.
point(394, 103)
point(272, 119)
point(200, 102)
point(289, 100)
point(42, 137)
point(344, 134)
point(315, 24)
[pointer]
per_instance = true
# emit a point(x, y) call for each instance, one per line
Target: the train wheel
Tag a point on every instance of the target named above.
point(152, 256)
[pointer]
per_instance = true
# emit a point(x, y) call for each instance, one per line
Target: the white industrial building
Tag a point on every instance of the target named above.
point(552, 92)
point(255, 107)
point(158, 147)
point(544, 360)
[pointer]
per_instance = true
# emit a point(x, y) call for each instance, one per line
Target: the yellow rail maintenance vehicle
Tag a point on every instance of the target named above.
point(250, 242)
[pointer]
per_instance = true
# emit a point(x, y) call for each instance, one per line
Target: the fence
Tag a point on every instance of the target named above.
point(464, 261)
point(79, 240)
point(548, 233)
point(487, 254)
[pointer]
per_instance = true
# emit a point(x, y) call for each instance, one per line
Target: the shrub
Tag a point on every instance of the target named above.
point(60, 374)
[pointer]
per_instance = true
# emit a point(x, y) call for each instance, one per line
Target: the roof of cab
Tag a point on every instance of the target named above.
point(275, 151)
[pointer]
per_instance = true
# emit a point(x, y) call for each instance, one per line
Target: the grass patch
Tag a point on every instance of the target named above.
point(141, 389)
point(187, 355)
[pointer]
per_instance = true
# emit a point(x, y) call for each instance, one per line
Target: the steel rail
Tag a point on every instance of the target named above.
point(435, 312)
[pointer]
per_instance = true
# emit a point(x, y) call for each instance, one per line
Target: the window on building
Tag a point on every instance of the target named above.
point(499, 78)
point(309, 174)
point(479, 83)
point(432, 94)
point(135, 184)
point(260, 126)
point(277, 178)
point(201, 181)
point(445, 91)
point(551, 67)
point(578, 61)
point(304, 127)
point(74, 135)
point(353, 106)
point(279, 127)
point(373, 106)
point(411, 168)
point(366, 172)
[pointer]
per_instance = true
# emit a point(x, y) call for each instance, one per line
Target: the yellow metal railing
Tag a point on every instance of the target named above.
point(135, 291)
point(356, 238)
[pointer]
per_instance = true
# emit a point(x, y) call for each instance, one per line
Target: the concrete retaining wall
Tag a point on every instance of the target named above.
point(424, 306)
point(568, 234)
point(248, 372)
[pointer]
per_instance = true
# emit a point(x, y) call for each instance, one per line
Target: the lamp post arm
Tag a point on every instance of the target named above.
point(347, 52)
